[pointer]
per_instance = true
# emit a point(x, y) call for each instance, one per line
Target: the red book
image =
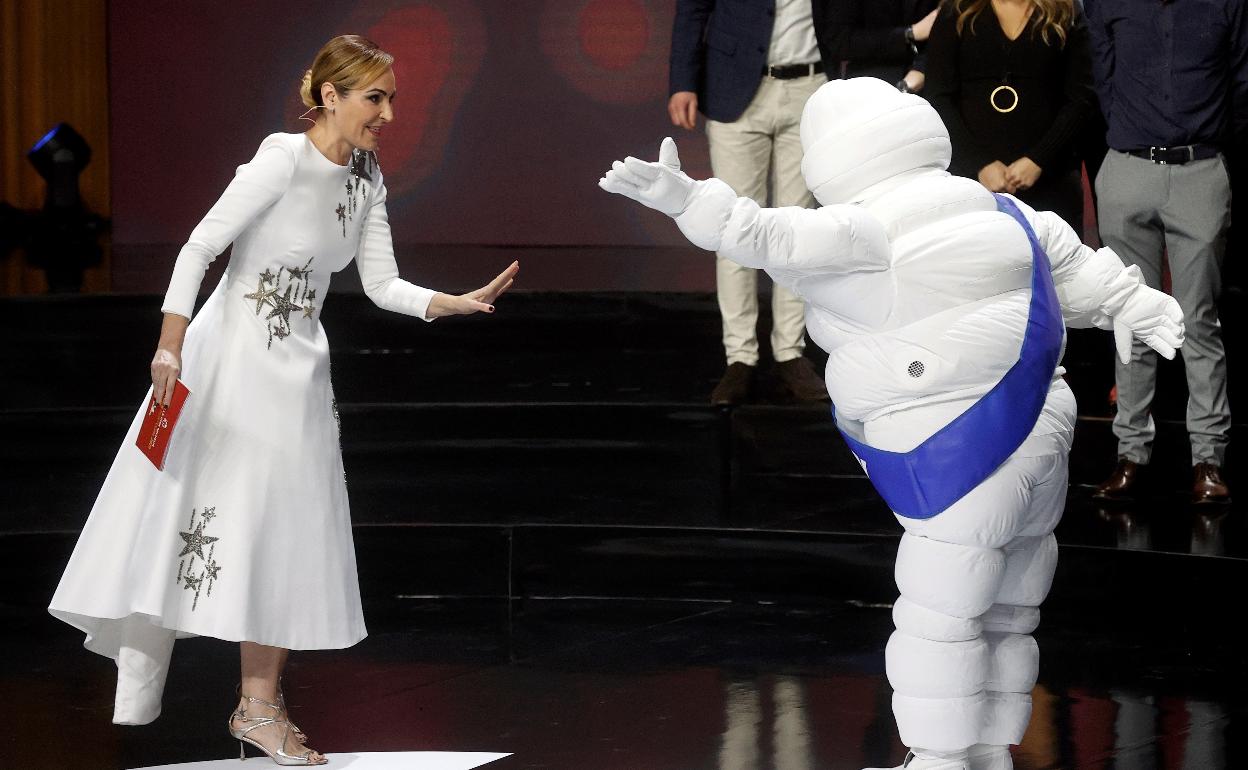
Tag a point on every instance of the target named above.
point(157, 427)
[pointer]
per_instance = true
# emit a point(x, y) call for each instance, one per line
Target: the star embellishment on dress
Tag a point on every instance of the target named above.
point(300, 273)
point(284, 296)
point(282, 306)
point(261, 295)
point(195, 541)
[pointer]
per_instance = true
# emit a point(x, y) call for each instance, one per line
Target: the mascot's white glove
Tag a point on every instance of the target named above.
point(662, 185)
point(1151, 315)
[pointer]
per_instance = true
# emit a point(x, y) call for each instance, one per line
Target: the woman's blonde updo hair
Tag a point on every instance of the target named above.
point(347, 62)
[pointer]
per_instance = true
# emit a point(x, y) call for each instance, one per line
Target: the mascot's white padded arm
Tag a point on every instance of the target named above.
point(1096, 289)
point(832, 239)
point(1092, 285)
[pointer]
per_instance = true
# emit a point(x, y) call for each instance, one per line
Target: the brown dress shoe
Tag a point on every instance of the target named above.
point(798, 383)
point(1208, 486)
point(735, 387)
point(1122, 483)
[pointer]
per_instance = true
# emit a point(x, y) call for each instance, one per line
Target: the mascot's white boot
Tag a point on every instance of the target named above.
point(942, 308)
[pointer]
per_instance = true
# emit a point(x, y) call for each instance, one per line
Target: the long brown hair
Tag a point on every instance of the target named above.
point(1047, 16)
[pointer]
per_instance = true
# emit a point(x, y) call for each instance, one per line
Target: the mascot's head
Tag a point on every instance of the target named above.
point(862, 137)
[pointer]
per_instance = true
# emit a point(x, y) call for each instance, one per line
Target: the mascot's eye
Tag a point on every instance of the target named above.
point(916, 369)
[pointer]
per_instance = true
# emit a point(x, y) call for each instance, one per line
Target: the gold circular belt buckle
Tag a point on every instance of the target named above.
point(993, 99)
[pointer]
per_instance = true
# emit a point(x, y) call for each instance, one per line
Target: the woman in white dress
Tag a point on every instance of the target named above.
point(246, 534)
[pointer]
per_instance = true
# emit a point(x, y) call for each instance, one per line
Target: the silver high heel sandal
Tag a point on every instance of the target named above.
point(250, 723)
point(300, 735)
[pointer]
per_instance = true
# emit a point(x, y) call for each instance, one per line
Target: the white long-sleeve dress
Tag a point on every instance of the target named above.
point(246, 534)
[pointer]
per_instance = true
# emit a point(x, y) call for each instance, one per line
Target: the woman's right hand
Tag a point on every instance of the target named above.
point(993, 177)
point(167, 363)
point(166, 367)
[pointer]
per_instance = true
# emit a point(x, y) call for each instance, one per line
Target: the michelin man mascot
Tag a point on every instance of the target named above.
point(943, 310)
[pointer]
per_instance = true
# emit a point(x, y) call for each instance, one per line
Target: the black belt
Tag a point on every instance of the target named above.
point(1175, 156)
point(791, 71)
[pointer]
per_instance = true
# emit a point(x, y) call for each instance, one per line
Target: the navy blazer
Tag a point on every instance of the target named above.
point(719, 50)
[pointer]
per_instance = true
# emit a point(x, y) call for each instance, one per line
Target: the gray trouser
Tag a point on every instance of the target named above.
point(762, 144)
point(1146, 209)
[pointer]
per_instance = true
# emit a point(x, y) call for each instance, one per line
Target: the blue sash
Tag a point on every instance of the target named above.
point(934, 475)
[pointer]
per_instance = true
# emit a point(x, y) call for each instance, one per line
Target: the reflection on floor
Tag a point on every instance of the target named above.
point(363, 760)
point(626, 685)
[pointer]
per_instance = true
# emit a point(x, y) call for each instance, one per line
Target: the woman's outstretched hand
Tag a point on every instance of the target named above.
point(479, 301)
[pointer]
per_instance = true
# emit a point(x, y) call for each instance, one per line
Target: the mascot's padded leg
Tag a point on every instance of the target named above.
point(1013, 654)
point(938, 660)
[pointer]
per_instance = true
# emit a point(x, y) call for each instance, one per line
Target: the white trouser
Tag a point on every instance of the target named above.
point(759, 147)
point(962, 661)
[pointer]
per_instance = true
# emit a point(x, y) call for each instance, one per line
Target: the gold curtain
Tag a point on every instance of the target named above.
point(54, 67)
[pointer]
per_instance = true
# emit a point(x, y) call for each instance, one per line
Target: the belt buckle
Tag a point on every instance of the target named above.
point(1152, 155)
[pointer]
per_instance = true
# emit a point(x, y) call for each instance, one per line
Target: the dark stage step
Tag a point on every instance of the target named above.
point(518, 455)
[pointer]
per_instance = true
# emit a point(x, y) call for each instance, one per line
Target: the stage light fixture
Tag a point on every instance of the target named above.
point(64, 238)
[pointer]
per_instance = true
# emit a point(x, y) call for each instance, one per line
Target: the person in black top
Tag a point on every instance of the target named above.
point(1012, 80)
point(1172, 78)
point(877, 38)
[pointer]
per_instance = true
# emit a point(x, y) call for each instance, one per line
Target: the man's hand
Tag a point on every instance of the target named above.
point(683, 109)
point(661, 185)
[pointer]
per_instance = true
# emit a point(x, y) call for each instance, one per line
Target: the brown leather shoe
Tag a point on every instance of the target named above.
point(797, 382)
point(1208, 486)
point(1122, 483)
point(735, 387)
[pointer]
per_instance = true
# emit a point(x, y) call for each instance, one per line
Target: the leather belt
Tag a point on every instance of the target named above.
point(791, 71)
point(1175, 156)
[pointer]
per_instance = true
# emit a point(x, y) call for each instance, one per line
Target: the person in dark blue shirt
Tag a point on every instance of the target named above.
point(1172, 79)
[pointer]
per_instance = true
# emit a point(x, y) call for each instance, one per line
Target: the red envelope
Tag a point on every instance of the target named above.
point(158, 424)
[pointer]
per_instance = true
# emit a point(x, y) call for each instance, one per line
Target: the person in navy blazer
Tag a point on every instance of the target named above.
point(749, 66)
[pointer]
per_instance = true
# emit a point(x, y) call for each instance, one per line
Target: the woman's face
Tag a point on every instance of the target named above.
point(362, 113)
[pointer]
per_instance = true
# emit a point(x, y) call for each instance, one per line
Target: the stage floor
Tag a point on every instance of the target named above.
point(648, 583)
point(628, 685)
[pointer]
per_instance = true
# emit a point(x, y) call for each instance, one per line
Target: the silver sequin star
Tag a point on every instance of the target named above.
point(282, 306)
point(191, 583)
point(195, 541)
point(209, 514)
point(267, 277)
point(212, 570)
point(280, 332)
point(300, 273)
point(261, 295)
point(308, 310)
